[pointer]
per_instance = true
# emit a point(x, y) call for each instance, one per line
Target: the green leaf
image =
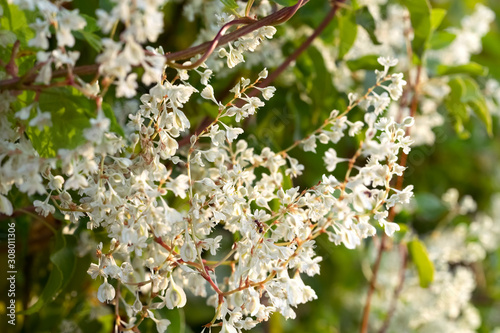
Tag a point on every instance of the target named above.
point(71, 113)
point(286, 3)
point(368, 62)
point(177, 320)
point(429, 207)
point(91, 38)
point(473, 97)
point(456, 108)
point(7, 37)
point(347, 33)
point(420, 17)
point(424, 265)
point(465, 92)
point(18, 22)
point(91, 23)
point(88, 34)
point(6, 13)
point(114, 126)
point(355, 4)
point(441, 39)
point(230, 4)
point(365, 19)
point(63, 260)
point(471, 68)
point(437, 16)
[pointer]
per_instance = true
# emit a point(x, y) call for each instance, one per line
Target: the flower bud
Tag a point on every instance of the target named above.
point(175, 296)
point(106, 292)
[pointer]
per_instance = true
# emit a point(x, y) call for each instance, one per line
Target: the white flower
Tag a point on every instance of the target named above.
point(175, 297)
point(232, 132)
point(310, 144)
point(331, 159)
point(188, 249)
point(208, 93)
point(68, 20)
point(205, 76)
point(43, 207)
point(106, 292)
point(387, 61)
point(234, 57)
point(395, 89)
point(355, 128)
point(179, 185)
point(76, 182)
point(41, 120)
point(133, 52)
point(227, 328)
point(126, 87)
point(390, 228)
point(267, 92)
point(41, 39)
point(5, 206)
point(161, 324)
point(24, 113)
point(263, 74)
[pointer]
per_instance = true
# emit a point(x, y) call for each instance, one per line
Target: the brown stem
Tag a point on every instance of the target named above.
point(11, 68)
point(80, 70)
point(329, 17)
point(392, 214)
point(397, 291)
point(273, 19)
point(213, 43)
point(117, 307)
point(371, 286)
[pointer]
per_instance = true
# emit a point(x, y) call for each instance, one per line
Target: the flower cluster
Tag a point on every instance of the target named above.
point(158, 245)
point(64, 22)
point(446, 305)
point(393, 32)
point(175, 203)
point(143, 22)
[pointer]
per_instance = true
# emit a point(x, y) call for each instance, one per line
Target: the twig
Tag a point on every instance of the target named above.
point(273, 19)
point(11, 68)
point(329, 17)
point(117, 307)
point(390, 218)
point(213, 44)
point(371, 286)
point(397, 291)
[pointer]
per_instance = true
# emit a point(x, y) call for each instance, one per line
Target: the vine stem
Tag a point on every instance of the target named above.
point(397, 291)
point(274, 19)
point(390, 218)
point(326, 21)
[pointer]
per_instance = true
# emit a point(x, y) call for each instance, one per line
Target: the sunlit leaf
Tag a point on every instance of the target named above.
point(286, 3)
point(71, 113)
point(230, 4)
point(441, 39)
point(368, 62)
point(471, 68)
point(437, 16)
point(347, 33)
point(365, 19)
point(420, 16)
point(424, 265)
